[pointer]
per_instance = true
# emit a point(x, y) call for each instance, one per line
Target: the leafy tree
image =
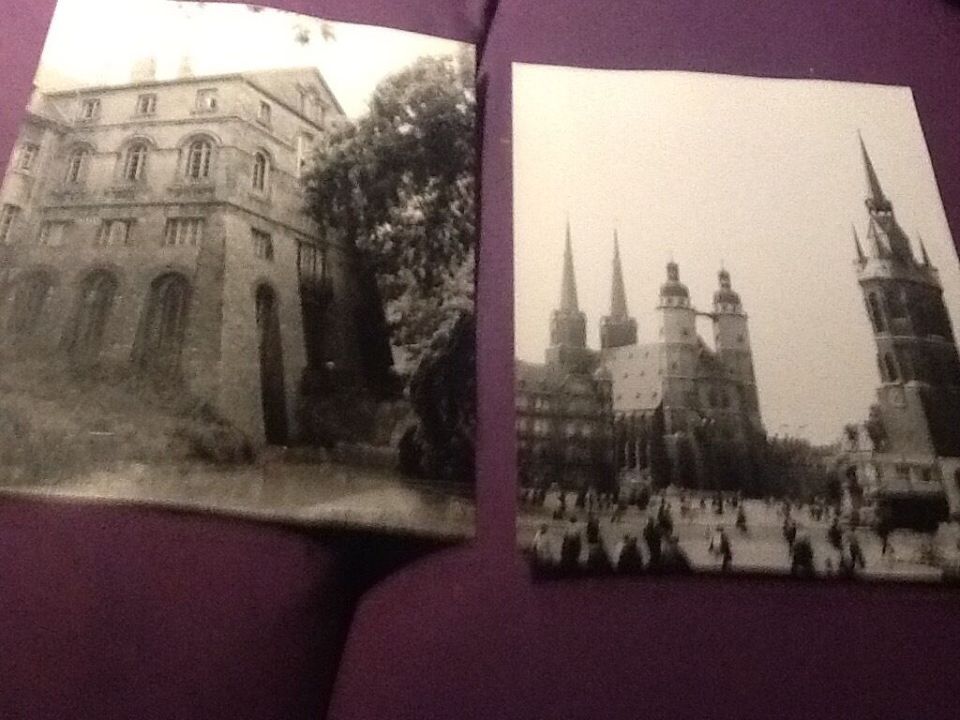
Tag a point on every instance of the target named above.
point(398, 185)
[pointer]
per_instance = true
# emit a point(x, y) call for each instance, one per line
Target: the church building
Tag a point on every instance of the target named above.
point(680, 410)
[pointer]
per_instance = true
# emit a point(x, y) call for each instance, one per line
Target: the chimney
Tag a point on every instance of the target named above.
point(186, 69)
point(144, 70)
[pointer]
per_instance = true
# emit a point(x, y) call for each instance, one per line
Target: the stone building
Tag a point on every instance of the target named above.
point(161, 223)
point(677, 407)
point(906, 457)
point(564, 415)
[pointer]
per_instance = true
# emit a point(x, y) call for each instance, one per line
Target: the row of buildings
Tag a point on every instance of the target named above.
point(601, 416)
point(162, 223)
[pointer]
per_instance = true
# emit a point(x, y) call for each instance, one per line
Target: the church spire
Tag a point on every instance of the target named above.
point(923, 252)
point(568, 290)
point(856, 241)
point(618, 294)
point(876, 200)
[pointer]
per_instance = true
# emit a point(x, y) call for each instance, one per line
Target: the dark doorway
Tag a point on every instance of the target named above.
point(271, 367)
point(29, 298)
point(93, 311)
point(163, 325)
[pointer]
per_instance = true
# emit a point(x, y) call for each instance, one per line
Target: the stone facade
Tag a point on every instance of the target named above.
point(162, 223)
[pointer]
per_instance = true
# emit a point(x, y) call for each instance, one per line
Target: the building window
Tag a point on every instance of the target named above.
point(96, 300)
point(262, 244)
point(207, 100)
point(146, 104)
point(76, 165)
point(29, 298)
point(876, 313)
point(163, 326)
point(114, 232)
point(52, 234)
point(26, 156)
point(891, 368)
point(198, 160)
point(183, 231)
point(135, 163)
point(90, 109)
point(263, 114)
point(261, 167)
point(8, 221)
point(304, 150)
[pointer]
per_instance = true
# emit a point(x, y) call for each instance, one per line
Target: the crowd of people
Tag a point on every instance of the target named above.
point(583, 549)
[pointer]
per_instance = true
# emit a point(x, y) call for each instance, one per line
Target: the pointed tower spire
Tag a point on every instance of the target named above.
point(568, 290)
point(876, 201)
point(856, 241)
point(923, 251)
point(617, 329)
point(618, 294)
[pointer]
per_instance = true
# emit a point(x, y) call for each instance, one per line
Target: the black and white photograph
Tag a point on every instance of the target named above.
point(735, 311)
point(237, 269)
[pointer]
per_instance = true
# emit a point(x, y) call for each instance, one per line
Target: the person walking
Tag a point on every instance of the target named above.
point(652, 537)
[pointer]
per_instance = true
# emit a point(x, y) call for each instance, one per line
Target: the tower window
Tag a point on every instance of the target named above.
point(876, 313)
point(891, 368)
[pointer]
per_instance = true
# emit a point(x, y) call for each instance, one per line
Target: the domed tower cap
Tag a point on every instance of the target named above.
point(673, 287)
point(725, 295)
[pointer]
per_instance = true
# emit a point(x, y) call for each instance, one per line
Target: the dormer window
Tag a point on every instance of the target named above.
point(90, 109)
point(263, 114)
point(146, 104)
point(207, 100)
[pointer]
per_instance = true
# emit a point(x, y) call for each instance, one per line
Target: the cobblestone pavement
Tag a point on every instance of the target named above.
point(326, 493)
point(761, 549)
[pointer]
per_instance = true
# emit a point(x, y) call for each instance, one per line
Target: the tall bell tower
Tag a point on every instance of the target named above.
point(916, 349)
point(568, 325)
point(617, 329)
point(732, 342)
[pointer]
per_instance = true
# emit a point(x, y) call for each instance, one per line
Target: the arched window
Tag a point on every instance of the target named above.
point(163, 324)
point(199, 156)
point(891, 367)
point(94, 305)
point(77, 165)
point(27, 302)
point(895, 303)
point(261, 166)
point(135, 162)
point(876, 313)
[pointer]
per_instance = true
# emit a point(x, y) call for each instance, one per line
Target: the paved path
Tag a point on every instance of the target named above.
point(330, 494)
point(761, 549)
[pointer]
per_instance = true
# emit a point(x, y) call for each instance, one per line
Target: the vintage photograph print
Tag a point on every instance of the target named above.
point(735, 312)
point(237, 268)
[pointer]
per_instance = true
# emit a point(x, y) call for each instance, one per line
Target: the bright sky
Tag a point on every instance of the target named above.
point(97, 41)
point(765, 175)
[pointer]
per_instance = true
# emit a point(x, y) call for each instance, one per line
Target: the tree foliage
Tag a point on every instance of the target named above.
point(398, 184)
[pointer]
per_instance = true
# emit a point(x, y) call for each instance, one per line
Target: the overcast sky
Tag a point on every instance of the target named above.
point(97, 41)
point(765, 175)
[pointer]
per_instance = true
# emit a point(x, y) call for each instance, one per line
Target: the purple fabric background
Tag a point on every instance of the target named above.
point(121, 612)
